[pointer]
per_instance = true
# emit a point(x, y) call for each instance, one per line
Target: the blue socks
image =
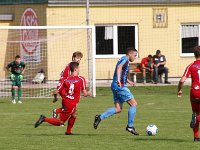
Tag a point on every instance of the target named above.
point(131, 115)
point(108, 113)
point(112, 111)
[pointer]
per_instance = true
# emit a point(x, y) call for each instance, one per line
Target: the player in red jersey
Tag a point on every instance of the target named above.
point(147, 65)
point(76, 57)
point(194, 70)
point(70, 90)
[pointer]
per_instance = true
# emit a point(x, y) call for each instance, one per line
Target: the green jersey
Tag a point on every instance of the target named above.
point(16, 69)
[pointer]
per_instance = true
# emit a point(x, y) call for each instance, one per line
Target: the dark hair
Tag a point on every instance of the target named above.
point(158, 52)
point(73, 65)
point(197, 52)
point(129, 49)
point(150, 56)
point(77, 54)
point(17, 56)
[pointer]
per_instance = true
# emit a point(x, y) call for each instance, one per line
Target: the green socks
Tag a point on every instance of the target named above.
point(13, 93)
point(19, 94)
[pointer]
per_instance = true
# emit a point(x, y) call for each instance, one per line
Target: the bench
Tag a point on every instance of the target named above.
point(134, 70)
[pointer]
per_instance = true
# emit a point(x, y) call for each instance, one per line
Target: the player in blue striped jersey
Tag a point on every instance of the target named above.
point(121, 93)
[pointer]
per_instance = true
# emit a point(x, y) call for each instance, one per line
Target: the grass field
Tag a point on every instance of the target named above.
point(158, 105)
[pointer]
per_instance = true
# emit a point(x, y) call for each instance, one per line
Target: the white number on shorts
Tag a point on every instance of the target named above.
point(199, 75)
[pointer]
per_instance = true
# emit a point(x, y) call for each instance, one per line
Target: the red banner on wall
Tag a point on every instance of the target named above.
point(29, 38)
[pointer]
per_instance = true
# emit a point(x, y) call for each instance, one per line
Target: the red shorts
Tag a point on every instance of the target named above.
point(195, 100)
point(67, 111)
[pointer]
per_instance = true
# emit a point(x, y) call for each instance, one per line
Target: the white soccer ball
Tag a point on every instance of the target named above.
point(151, 129)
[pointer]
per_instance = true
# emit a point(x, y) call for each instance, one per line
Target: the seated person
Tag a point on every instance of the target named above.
point(147, 65)
point(159, 67)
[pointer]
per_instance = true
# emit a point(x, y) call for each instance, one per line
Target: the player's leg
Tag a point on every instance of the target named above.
point(71, 122)
point(195, 103)
point(155, 74)
point(19, 92)
point(54, 121)
point(13, 94)
point(195, 120)
point(13, 87)
point(111, 111)
point(64, 115)
point(151, 75)
point(166, 70)
point(56, 112)
point(19, 84)
point(131, 113)
point(144, 75)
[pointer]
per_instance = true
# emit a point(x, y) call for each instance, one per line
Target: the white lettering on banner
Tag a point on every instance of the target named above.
point(29, 45)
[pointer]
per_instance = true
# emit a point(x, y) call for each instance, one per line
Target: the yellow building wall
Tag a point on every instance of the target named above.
point(150, 39)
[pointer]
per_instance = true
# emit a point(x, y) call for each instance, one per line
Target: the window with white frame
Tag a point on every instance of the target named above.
point(189, 39)
point(113, 40)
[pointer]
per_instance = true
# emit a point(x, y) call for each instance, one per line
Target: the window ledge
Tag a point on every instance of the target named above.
point(187, 55)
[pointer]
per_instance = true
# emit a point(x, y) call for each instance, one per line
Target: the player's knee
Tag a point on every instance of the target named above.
point(133, 103)
point(14, 87)
point(75, 115)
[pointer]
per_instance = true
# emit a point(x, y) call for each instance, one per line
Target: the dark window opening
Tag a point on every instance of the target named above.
point(103, 46)
point(126, 38)
point(188, 44)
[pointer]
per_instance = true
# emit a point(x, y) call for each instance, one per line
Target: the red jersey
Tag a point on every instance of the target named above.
point(146, 62)
point(194, 70)
point(71, 88)
point(64, 74)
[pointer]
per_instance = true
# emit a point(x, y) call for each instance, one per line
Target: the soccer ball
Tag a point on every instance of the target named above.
point(151, 129)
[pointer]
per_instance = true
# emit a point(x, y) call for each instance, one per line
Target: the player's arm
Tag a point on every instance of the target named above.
point(23, 68)
point(119, 70)
point(56, 91)
point(143, 66)
point(180, 85)
point(131, 82)
point(83, 87)
point(86, 93)
point(55, 95)
point(162, 63)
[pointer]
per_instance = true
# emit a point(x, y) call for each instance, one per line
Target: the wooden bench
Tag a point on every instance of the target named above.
point(134, 69)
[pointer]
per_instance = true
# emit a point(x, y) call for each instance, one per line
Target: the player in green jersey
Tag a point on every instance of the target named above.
point(16, 70)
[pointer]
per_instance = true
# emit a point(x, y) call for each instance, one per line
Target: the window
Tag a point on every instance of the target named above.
point(189, 39)
point(113, 40)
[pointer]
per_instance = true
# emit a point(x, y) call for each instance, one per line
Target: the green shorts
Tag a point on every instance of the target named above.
point(16, 80)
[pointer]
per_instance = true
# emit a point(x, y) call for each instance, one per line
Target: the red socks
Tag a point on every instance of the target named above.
point(71, 122)
point(53, 121)
point(196, 130)
point(196, 127)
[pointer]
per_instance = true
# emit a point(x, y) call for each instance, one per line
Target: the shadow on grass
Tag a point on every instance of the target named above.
point(5, 102)
point(59, 134)
point(160, 139)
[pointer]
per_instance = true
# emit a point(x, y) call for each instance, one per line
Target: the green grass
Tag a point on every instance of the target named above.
point(157, 105)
